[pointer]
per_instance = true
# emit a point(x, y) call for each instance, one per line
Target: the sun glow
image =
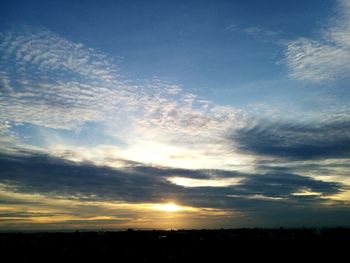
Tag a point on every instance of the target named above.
point(193, 182)
point(170, 207)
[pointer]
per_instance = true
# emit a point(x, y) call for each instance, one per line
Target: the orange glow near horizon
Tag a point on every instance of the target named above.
point(55, 212)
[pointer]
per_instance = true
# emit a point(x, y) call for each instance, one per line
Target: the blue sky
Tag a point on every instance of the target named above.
point(174, 114)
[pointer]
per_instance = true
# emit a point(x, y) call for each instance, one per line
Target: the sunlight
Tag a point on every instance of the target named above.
point(194, 182)
point(170, 207)
point(180, 156)
point(306, 192)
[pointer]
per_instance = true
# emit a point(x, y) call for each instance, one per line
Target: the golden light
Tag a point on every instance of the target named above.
point(193, 182)
point(50, 212)
point(170, 207)
point(306, 192)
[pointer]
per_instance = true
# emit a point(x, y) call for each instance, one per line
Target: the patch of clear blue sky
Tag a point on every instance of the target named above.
point(89, 135)
point(187, 42)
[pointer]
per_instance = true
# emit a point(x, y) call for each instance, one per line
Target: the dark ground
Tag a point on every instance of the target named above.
point(169, 246)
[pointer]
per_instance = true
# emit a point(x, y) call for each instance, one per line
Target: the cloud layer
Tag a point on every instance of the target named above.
point(86, 183)
point(297, 141)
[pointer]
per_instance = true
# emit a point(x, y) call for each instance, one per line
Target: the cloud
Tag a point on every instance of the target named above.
point(54, 84)
point(254, 31)
point(49, 52)
point(63, 84)
point(296, 141)
point(325, 59)
point(260, 32)
point(190, 182)
point(4, 82)
point(48, 211)
point(285, 185)
point(131, 193)
point(38, 173)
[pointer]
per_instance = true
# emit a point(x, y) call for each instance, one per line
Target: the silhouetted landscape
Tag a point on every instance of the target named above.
point(179, 245)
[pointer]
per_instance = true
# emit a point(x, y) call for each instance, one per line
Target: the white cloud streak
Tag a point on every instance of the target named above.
point(193, 182)
point(261, 32)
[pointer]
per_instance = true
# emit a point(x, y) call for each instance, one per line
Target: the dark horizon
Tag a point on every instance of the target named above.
point(176, 246)
point(101, 230)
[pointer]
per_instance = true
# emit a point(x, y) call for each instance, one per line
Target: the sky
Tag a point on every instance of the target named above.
point(174, 114)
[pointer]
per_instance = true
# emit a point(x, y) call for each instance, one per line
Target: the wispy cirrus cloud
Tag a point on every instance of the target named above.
point(50, 52)
point(324, 59)
point(260, 32)
point(254, 31)
point(66, 74)
point(56, 84)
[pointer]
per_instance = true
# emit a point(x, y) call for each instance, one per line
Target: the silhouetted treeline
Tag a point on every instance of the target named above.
point(170, 246)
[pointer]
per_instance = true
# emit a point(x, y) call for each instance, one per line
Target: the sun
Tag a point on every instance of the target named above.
point(169, 207)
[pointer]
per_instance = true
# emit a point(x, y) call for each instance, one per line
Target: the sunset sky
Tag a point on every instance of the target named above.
point(174, 114)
